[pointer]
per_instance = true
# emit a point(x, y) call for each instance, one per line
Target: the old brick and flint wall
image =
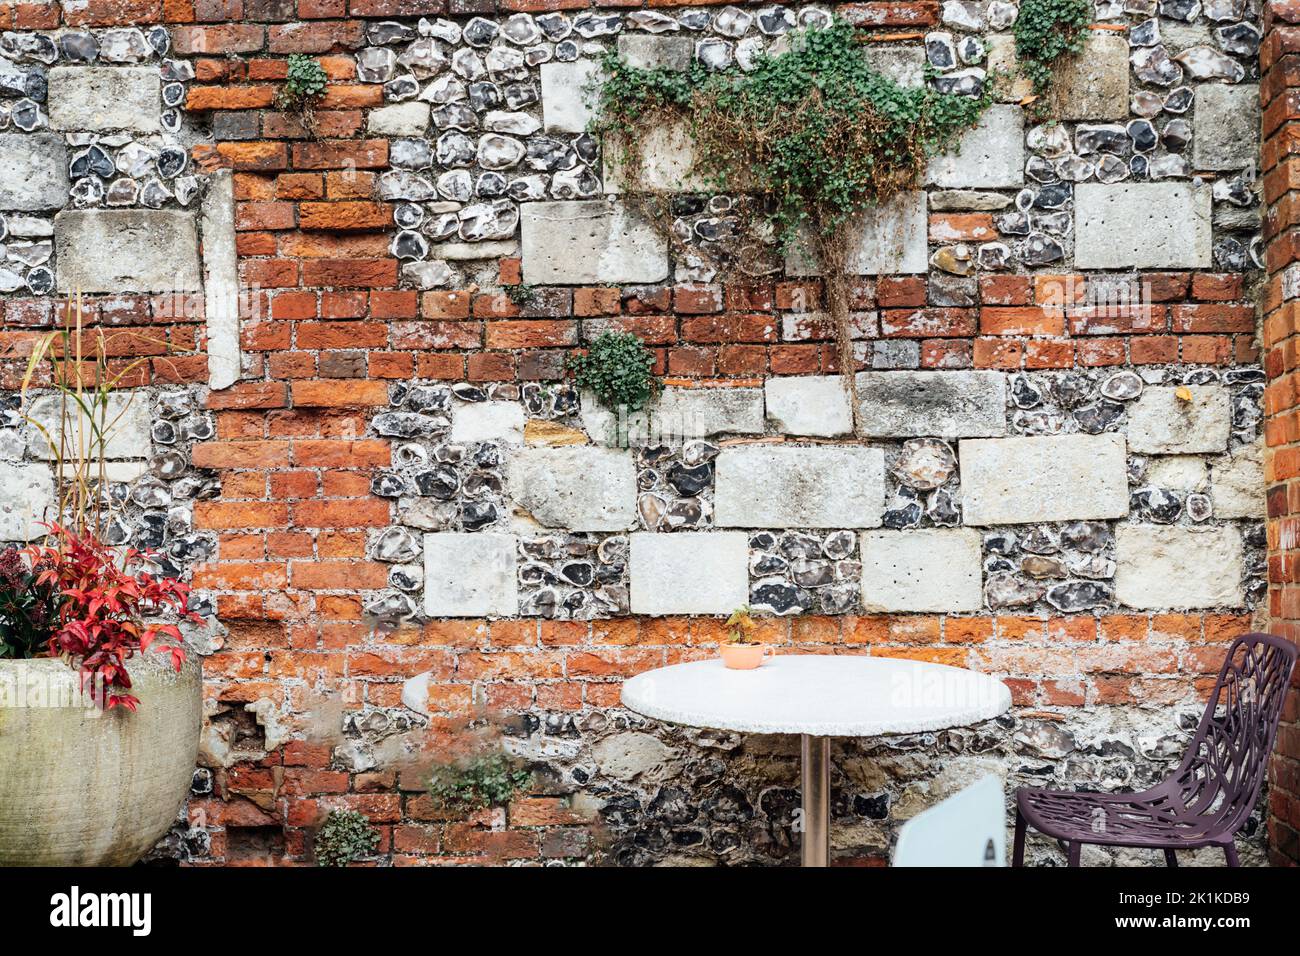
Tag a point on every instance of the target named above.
point(399, 515)
point(1281, 129)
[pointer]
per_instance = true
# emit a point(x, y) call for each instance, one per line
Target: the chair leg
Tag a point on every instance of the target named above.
point(1075, 848)
point(1018, 848)
point(1170, 858)
point(1230, 851)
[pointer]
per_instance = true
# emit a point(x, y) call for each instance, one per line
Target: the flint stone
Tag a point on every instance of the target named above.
point(470, 575)
point(677, 413)
point(26, 498)
point(763, 486)
point(931, 570)
point(488, 422)
point(1238, 484)
point(952, 404)
point(581, 488)
point(1174, 567)
point(1227, 126)
point(816, 405)
point(689, 572)
point(33, 172)
point(990, 155)
point(890, 239)
point(627, 756)
point(1050, 478)
point(136, 250)
point(1161, 423)
point(1142, 225)
point(127, 435)
point(105, 98)
point(589, 243)
point(1094, 84)
point(565, 106)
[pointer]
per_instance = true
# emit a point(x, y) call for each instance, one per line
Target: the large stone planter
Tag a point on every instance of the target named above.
point(81, 787)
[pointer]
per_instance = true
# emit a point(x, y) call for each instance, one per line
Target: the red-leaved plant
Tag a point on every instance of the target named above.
point(102, 616)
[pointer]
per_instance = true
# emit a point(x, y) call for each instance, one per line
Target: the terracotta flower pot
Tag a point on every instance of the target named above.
point(741, 657)
point(83, 787)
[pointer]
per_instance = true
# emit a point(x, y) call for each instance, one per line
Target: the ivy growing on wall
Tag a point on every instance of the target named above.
point(1045, 31)
point(811, 137)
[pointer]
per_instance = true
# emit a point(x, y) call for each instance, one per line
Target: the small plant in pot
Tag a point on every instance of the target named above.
point(741, 652)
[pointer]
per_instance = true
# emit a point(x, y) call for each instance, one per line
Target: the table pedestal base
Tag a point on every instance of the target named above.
point(816, 780)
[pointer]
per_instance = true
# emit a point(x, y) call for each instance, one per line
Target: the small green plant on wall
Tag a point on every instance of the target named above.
point(618, 369)
point(344, 837)
point(1046, 31)
point(304, 85)
point(477, 782)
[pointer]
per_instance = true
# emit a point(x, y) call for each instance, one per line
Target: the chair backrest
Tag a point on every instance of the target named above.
point(967, 829)
point(1219, 778)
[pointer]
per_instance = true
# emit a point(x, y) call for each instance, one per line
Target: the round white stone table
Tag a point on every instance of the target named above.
point(818, 697)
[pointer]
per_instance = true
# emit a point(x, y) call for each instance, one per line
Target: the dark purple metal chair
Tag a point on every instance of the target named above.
point(1208, 798)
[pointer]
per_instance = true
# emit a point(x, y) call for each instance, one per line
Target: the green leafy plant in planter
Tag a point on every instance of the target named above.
point(618, 369)
point(813, 136)
point(1046, 31)
point(345, 837)
point(304, 85)
point(475, 783)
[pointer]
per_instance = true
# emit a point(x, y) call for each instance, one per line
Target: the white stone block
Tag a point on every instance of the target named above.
point(905, 404)
point(1093, 85)
point(470, 575)
point(689, 572)
point(663, 161)
point(1177, 472)
point(891, 239)
point(33, 172)
point(1166, 566)
point(1050, 478)
point(589, 243)
point(221, 281)
point(1141, 225)
point(678, 413)
point(815, 405)
point(932, 570)
point(567, 95)
point(991, 155)
point(1237, 485)
point(771, 486)
point(399, 119)
point(649, 52)
point(488, 421)
point(905, 65)
point(123, 426)
point(1161, 423)
point(102, 98)
point(26, 499)
point(126, 250)
point(578, 487)
point(1227, 126)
